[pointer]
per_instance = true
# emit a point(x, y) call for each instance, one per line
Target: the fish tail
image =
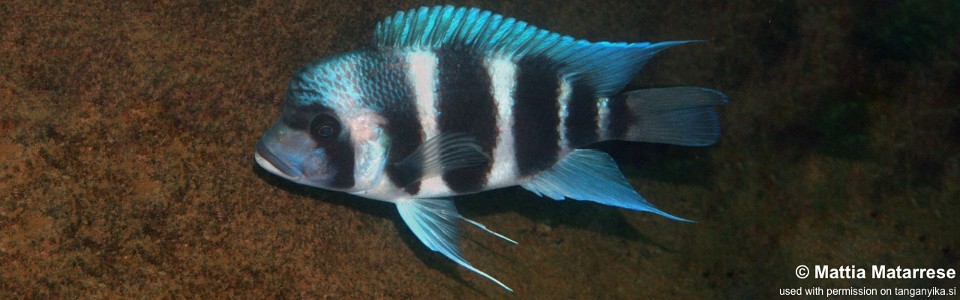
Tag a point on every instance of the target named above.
point(684, 116)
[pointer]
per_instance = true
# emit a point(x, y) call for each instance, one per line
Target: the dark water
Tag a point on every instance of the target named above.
point(127, 135)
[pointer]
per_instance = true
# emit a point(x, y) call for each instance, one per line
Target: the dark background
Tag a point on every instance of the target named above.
point(128, 129)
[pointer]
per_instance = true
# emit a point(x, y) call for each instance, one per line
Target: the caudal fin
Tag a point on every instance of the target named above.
point(685, 116)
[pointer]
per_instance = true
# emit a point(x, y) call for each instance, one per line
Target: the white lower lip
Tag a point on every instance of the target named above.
point(266, 165)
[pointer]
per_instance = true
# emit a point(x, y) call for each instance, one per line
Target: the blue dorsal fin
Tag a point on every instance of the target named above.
point(590, 175)
point(604, 65)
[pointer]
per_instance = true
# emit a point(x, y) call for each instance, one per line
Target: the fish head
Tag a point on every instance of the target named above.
point(325, 137)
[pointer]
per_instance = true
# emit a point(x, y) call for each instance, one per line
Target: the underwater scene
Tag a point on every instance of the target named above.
point(252, 149)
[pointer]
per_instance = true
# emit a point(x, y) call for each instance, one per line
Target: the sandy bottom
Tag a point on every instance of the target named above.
point(127, 133)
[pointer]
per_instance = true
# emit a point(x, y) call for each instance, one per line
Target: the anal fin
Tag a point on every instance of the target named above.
point(590, 175)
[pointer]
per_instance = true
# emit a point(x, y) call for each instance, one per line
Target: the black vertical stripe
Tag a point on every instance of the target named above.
point(620, 117)
point(466, 104)
point(535, 113)
point(341, 156)
point(580, 126)
point(384, 79)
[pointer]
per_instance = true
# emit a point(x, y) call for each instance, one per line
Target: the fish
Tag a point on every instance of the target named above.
point(449, 101)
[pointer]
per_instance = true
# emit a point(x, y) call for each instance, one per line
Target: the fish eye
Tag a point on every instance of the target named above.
point(324, 127)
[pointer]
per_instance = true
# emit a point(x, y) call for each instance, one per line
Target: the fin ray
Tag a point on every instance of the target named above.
point(484, 227)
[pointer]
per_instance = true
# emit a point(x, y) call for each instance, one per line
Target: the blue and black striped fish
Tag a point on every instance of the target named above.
point(451, 101)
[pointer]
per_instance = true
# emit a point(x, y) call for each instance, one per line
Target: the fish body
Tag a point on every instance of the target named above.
point(451, 101)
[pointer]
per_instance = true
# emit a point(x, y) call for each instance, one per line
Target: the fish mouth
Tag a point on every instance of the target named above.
point(268, 161)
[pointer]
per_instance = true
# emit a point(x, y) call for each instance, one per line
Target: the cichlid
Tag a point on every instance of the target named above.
point(451, 101)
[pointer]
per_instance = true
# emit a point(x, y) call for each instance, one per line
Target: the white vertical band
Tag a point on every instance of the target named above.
point(603, 118)
point(422, 73)
point(563, 97)
point(503, 79)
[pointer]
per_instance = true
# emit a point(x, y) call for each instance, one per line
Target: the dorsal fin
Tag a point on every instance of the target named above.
point(604, 65)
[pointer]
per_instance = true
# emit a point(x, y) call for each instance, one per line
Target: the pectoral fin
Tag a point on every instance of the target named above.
point(440, 154)
point(434, 222)
point(590, 175)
